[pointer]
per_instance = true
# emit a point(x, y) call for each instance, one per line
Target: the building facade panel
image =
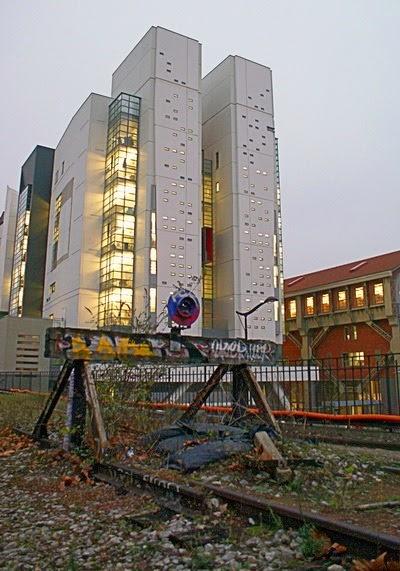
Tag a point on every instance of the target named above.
point(7, 239)
point(74, 238)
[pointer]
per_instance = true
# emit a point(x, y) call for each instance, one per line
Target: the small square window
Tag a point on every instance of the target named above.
point(309, 306)
point(359, 296)
point(378, 293)
point(292, 310)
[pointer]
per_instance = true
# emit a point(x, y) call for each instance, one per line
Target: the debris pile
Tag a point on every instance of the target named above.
point(190, 446)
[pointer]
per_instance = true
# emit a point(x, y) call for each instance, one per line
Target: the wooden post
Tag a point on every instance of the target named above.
point(96, 419)
point(40, 430)
point(204, 392)
point(267, 449)
point(259, 398)
point(239, 392)
point(78, 406)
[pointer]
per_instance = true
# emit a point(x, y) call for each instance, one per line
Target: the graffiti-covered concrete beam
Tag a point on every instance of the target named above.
point(95, 345)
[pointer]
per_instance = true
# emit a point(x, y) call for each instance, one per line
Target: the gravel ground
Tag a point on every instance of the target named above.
point(54, 517)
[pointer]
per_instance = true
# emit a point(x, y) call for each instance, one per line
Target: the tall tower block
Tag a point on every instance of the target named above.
point(164, 72)
point(239, 139)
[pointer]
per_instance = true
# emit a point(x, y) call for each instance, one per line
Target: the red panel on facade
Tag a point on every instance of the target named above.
point(207, 244)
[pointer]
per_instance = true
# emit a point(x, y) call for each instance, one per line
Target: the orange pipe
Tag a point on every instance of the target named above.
point(394, 419)
point(390, 418)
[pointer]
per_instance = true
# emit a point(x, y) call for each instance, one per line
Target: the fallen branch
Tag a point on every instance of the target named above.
point(373, 506)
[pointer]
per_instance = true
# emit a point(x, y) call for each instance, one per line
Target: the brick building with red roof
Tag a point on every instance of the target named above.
point(349, 312)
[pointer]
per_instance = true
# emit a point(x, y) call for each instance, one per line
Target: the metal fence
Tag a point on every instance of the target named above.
point(35, 381)
point(320, 386)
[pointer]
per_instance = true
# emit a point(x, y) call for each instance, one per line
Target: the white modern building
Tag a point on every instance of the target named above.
point(7, 237)
point(164, 71)
point(76, 211)
point(239, 140)
point(173, 180)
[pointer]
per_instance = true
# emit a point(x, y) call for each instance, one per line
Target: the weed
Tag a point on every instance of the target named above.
point(311, 545)
point(72, 565)
point(340, 497)
point(258, 530)
point(274, 521)
point(201, 560)
point(296, 485)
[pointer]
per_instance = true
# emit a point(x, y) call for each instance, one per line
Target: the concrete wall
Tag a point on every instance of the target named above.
point(22, 343)
point(164, 70)
point(238, 124)
point(79, 165)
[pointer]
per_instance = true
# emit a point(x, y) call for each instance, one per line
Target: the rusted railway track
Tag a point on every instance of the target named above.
point(360, 540)
point(374, 444)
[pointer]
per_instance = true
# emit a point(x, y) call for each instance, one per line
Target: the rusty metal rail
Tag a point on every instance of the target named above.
point(135, 477)
point(362, 540)
point(374, 444)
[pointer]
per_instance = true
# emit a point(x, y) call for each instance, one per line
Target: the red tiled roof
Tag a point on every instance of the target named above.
point(360, 268)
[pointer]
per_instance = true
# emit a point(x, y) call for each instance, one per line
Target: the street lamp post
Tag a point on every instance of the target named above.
point(245, 314)
point(239, 390)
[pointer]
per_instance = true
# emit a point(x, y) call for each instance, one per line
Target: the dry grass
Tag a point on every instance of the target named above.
point(21, 410)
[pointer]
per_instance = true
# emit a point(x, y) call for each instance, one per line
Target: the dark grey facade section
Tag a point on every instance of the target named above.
point(37, 172)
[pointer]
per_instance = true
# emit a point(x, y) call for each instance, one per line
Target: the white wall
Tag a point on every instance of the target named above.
point(238, 123)
point(82, 149)
point(22, 344)
point(164, 70)
point(7, 230)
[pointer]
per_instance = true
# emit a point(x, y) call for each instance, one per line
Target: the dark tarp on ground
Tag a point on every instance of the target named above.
point(222, 441)
point(196, 456)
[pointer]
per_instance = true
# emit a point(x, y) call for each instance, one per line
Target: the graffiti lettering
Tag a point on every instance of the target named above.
point(124, 347)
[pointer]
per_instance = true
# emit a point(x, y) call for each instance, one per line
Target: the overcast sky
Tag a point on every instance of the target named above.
point(335, 67)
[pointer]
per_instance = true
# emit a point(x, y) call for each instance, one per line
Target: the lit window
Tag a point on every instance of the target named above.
point(325, 303)
point(52, 287)
point(292, 308)
point(310, 305)
point(355, 359)
point(342, 299)
point(153, 261)
point(217, 187)
point(359, 296)
point(350, 332)
point(378, 293)
point(153, 299)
